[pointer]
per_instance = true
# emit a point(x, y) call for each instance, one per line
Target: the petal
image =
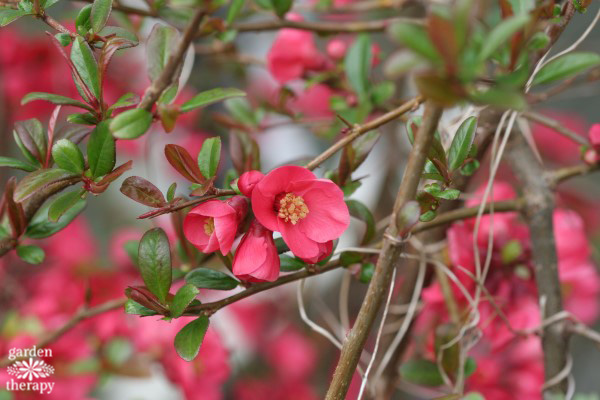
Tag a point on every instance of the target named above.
point(214, 208)
point(262, 206)
point(328, 216)
point(297, 241)
point(225, 230)
point(249, 256)
point(212, 245)
point(248, 180)
point(193, 229)
point(279, 179)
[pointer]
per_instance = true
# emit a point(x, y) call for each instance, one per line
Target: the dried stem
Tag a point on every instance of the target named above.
point(388, 260)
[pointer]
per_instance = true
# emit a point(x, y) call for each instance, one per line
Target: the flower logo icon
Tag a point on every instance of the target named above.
point(29, 369)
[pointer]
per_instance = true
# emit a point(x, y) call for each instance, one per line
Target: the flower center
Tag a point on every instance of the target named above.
point(209, 226)
point(292, 208)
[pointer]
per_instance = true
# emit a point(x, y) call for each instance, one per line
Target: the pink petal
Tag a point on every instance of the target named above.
point(214, 208)
point(225, 229)
point(302, 246)
point(249, 256)
point(278, 180)
point(193, 229)
point(264, 212)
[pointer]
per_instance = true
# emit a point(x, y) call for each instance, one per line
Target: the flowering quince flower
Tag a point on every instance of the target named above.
point(256, 258)
point(213, 225)
point(293, 53)
point(324, 252)
point(594, 135)
point(248, 180)
point(309, 212)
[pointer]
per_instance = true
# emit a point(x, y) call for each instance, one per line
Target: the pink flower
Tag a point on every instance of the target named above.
point(324, 252)
point(336, 49)
point(292, 355)
point(248, 180)
point(306, 210)
point(256, 258)
point(213, 225)
point(293, 53)
point(594, 135)
point(312, 102)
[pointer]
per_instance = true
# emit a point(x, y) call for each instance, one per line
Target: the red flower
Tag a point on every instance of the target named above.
point(324, 252)
point(594, 135)
point(213, 225)
point(293, 53)
point(256, 258)
point(248, 180)
point(308, 212)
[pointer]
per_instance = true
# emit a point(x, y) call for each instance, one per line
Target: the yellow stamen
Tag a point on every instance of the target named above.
point(209, 226)
point(292, 208)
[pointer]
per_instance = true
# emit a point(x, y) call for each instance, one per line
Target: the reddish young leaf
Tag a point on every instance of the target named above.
point(142, 191)
point(104, 183)
point(16, 215)
point(442, 35)
point(168, 116)
point(110, 47)
point(143, 296)
point(51, 129)
point(181, 160)
point(31, 134)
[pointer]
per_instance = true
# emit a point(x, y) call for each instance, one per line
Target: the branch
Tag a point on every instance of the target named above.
point(388, 260)
point(557, 126)
point(81, 315)
point(359, 130)
point(323, 27)
point(538, 214)
point(211, 308)
point(561, 175)
point(166, 78)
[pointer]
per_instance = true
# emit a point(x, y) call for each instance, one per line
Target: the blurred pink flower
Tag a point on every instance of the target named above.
point(292, 355)
point(554, 146)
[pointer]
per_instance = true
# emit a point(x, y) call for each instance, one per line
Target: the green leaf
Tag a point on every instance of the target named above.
point(86, 65)
point(289, 263)
point(210, 97)
point(182, 299)
point(26, 153)
point(421, 372)
point(357, 65)
point(366, 272)
point(32, 137)
point(461, 143)
point(281, 7)
point(101, 150)
point(161, 41)
point(63, 38)
point(41, 227)
point(469, 168)
point(209, 156)
point(120, 32)
point(131, 124)
point(67, 156)
point(566, 66)
point(31, 254)
point(100, 13)
point(171, 192)
point(82, 22)
point(38, 180)
point(427, 216)
point(63, 203)
point(501, 98)
point(360, 211)
point(205, 278)
point(127, 100)
point(415, 38)
point(131, 307)
point(8, 15)
point(234, 10)
point(54, 99)
point(189, 339)
point(154, 258)
point(18, 164)
point(501, 34)
point(449, 194)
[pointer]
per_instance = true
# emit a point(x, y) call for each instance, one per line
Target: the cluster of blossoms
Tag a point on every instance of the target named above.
point(308, 212)
point(510, 362)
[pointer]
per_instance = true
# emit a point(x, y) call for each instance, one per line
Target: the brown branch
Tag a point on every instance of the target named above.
point(81, 315)
point(538, 214)
point(555, 125)
point(166, 77)
point(323, 27)
point(388, 260)
point(211, 308)
point(359, 130)
point(561, 175)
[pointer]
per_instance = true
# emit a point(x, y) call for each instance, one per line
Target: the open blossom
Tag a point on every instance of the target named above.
point(307, 211)
point(213, 225)
point(256, 258)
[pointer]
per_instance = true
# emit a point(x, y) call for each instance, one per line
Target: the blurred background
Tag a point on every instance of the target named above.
point(258, 348)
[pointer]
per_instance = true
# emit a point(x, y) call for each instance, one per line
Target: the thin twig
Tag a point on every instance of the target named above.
point(557, 126)
point(359, 130)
